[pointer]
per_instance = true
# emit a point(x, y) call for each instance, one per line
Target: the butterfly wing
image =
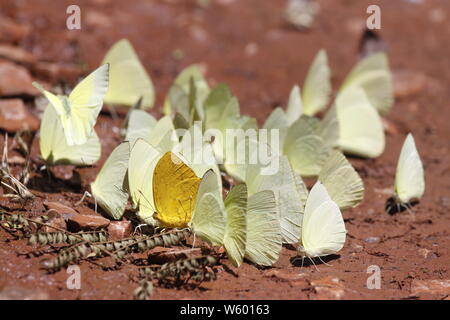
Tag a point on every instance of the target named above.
point(409, 178)
point(278, 120)
point(373, 75)
point(214, 105)
point(342, 182)
point(317, 87)
point(208, 219)
point(183, 82)
point(360, 129)
point(54, 148)
point(295, 106)
point(289, 204)
point(85, 103)
point(128, 79)
point(323, 230)
point(236, 224)
point(163, 127)
point(140, 125)
point(304, 147)
point(175, 187)
point(54, 100)
point(109, 188)
point(143, 160)
point(199, 155)
point(263, 244)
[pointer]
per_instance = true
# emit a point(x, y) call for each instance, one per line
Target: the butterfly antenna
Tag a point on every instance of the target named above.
point(148, 202)
point(145, 198)
point(95, 201)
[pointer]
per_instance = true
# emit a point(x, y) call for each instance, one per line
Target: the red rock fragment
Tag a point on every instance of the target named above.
point(15, 80)
point(65, 211)
point(11, 31)
point(328, 288)
point(83, 222)
point(14, 116)
point(118, 230)
point(433, 287)
point(55, 220)
point(16, 54)
point(408, 83)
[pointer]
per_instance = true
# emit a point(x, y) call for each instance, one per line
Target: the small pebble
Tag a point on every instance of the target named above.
point(372, 240)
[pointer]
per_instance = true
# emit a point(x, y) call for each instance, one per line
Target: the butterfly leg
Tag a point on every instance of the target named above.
point(324, 262)
point(139, 227)
point(312, 261)
point(408, 208)
point(193, 242)
point(85, 194)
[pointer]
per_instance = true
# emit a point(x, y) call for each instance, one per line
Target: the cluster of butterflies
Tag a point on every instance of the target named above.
point(261, 212)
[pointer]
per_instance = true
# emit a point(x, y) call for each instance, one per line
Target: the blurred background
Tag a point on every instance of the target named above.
point(258, 48)
point(248, 44)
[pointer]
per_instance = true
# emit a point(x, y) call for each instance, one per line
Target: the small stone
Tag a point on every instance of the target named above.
point(408, 83)
point(390, 127)
point(355, 25)
point(161, 255)
point(118, 230)
point(15, 80)
point(328, 288)
point(357, 247)
point(16, 54)
point(445, 201)
point(437, 15)
point(423, 252)
point(55, 220)
point(372, 240)
point(14, 116)
point(63, 210)
point(426, 254)
point(83, 222)
point(10, 31)
point(251, 49)
point(62, 172)
point(16, 159)
point(19, 293)
point(436, 287)
point(101, 2)
point(97, 19)
point(225, 2)
point(284, 275)
point(198, 33)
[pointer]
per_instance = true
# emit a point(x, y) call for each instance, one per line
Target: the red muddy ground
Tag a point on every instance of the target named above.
point(417, 38)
